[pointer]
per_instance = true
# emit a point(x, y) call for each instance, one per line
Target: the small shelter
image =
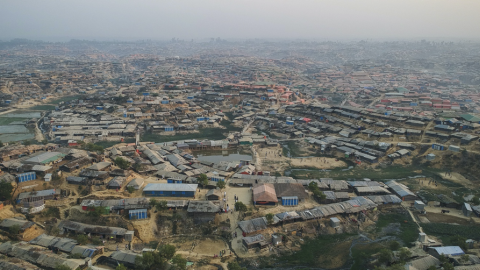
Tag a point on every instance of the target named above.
point(254, 241)
point(214, 195)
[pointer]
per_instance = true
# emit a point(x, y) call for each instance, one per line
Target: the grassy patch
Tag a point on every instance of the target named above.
point(106, 144)
point(409, 230)
point(389, 172)
point(443, 229)
point(320, 251)
point(68, 98)
point(42, 108)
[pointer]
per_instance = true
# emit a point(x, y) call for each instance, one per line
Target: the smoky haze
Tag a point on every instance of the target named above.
point(199, 19)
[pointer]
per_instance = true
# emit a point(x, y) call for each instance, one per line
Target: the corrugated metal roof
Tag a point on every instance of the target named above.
point(449, 250)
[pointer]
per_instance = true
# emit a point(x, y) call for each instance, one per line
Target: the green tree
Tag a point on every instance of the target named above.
point(161, 205)
point(27, 142)
point(153, 202)
point(110, 109)
point(5, 191)
point(432, 267)
point(269, 218)
point(76, 256)
point(475, 200)
point(130, 189)
point(44, 141)
point(15, 229)
point(404, 254)
point(93, 147)
point(240, 206)
point(203, 180)
point(235, 266)
point(62, 267)
point(464, 258)
point(394, 245)
point(167, 251)
point(179, 262)
point(385, 256)
point(448, 266)
point(457, 240)
point(81, 144)
point(1, 144)
point(313, 187)
point(82, 239)
point(96, 211)
point(120, 267)
point(137, 167)
point(443, 259)
point(221, 184)
point(122, 163)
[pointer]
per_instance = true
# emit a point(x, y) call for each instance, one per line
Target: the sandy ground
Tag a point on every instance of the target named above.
point(38, 133)
point(434, 214)
point(271, 159)
point(317, 162)
point(244, 195)
point(8, 212)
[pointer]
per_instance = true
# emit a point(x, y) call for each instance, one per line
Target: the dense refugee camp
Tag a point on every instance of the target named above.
point(235, 135)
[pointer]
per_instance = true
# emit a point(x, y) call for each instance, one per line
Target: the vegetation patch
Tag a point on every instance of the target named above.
point(362, 255)
point(327, 251)
point(408, 228)
point(444, 229)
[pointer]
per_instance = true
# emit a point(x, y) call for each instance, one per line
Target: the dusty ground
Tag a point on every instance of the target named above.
point(271, 159)
point(8, 212)
point(442, 218)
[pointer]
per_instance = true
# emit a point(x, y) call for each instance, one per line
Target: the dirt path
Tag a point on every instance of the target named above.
point(9, 111)
point(38, 133)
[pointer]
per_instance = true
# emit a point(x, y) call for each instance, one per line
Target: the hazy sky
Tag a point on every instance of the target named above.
point(197, 19)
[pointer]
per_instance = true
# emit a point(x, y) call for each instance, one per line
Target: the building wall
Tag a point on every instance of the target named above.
point(170, 193)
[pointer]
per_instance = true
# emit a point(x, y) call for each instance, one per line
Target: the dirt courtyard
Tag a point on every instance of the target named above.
point(271, 159)
point(317, 162)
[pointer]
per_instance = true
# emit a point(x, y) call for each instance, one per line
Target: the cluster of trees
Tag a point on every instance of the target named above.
point(5, 191)
point(90, 146)
point(96, 211)
point(235, 266)
point(159, 205)
point(313, 187)
point(122, 163)
point(240, 206)
point(158, 259)
point(202, 179)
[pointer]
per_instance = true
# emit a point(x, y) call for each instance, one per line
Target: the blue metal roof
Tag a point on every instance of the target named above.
point(450, 250)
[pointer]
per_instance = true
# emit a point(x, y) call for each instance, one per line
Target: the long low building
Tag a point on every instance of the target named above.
point(170, 190)
point(67, 226)
point(401, 190)
point(39, 256)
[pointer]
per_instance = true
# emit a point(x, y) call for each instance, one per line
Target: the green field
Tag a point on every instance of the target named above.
point(8, 120)
point(319, 251)
point(42, 108)
point(444, 229)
